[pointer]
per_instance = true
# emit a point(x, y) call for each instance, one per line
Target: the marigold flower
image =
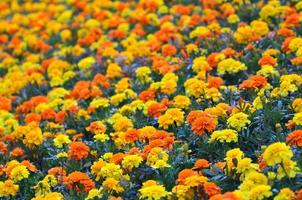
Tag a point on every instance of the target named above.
point(238, 121)
point(8, 188)
point(78, 150)
point(18, 173)
point(33, 138)
point(60, 140)
point(131, 161)
point(295, 138)
point(226, 135)
point(152, 190)
point(277, 153)
point(76, 180)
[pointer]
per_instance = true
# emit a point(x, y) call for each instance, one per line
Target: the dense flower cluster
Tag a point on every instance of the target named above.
point(151, 99)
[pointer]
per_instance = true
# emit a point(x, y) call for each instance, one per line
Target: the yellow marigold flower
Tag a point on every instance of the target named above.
point(111, 170)
point(99, 103)
point(8, 188)
point(96, 168)
point(122, 85)
point(52, 196)
point(112, 184)
point(44, 186)
point(299, 52)
point(171, 116)
point(253, 179)
point(18, 173)
point(277, 153)
point(243, 34)
point(226, 135)
point(195, 87)
point(268, 71)
point(230, 66)
point(118, 98)
point(107, 156)
point(62, 155)
point(268, 11)
point(295, 44)
point(165, 121)
point(181, 101)
point(231, 155)
point(168, 86)
point(86, 63)
point(298, 118)
point(232, 19)
point(60, 140)
point(131, 161)
point(200, 31)
point(33, 138)
point(200, 64)
point(287, 87)
point(143, 74)
point(287, 168)
point(92, 23)
point(101, 137)
point(77, 50)
point(238, 121)
point(212, 93)
point(285, 194)
point(114, 70)
point(257, 103)
point(83, 114)
point(122, 124)
point(245, 166)
point(191, 48)
point(260, 192)
point(65, 35)
point(157, 158)
point(153, 191)
point(195, 180)
point(259, 27)
point(94, 193)
point(297, 105)
point(183, 192)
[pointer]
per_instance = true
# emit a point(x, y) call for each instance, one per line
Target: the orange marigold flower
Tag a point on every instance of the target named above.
point(100, 79)
point(5, 103)
point(78, 180)
point(48, 114)
point(225, 196)
point(201, 122)
point(132, 135)
point(60, 116)
point(17, 152)
point(78, 150)
point(295, 138)
point(32, 117)
point(147, 95)
point(58, 172)
point(211, 189)
point(117, 158)
point(3, 147)
point(169, 50)
point(254, 82)
point(286, 32)
point(201, 163)
point(29, 165)
point(156, 109)
point(267, 60)
point(185, 174)
point(215, 82)
point(298, 195)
